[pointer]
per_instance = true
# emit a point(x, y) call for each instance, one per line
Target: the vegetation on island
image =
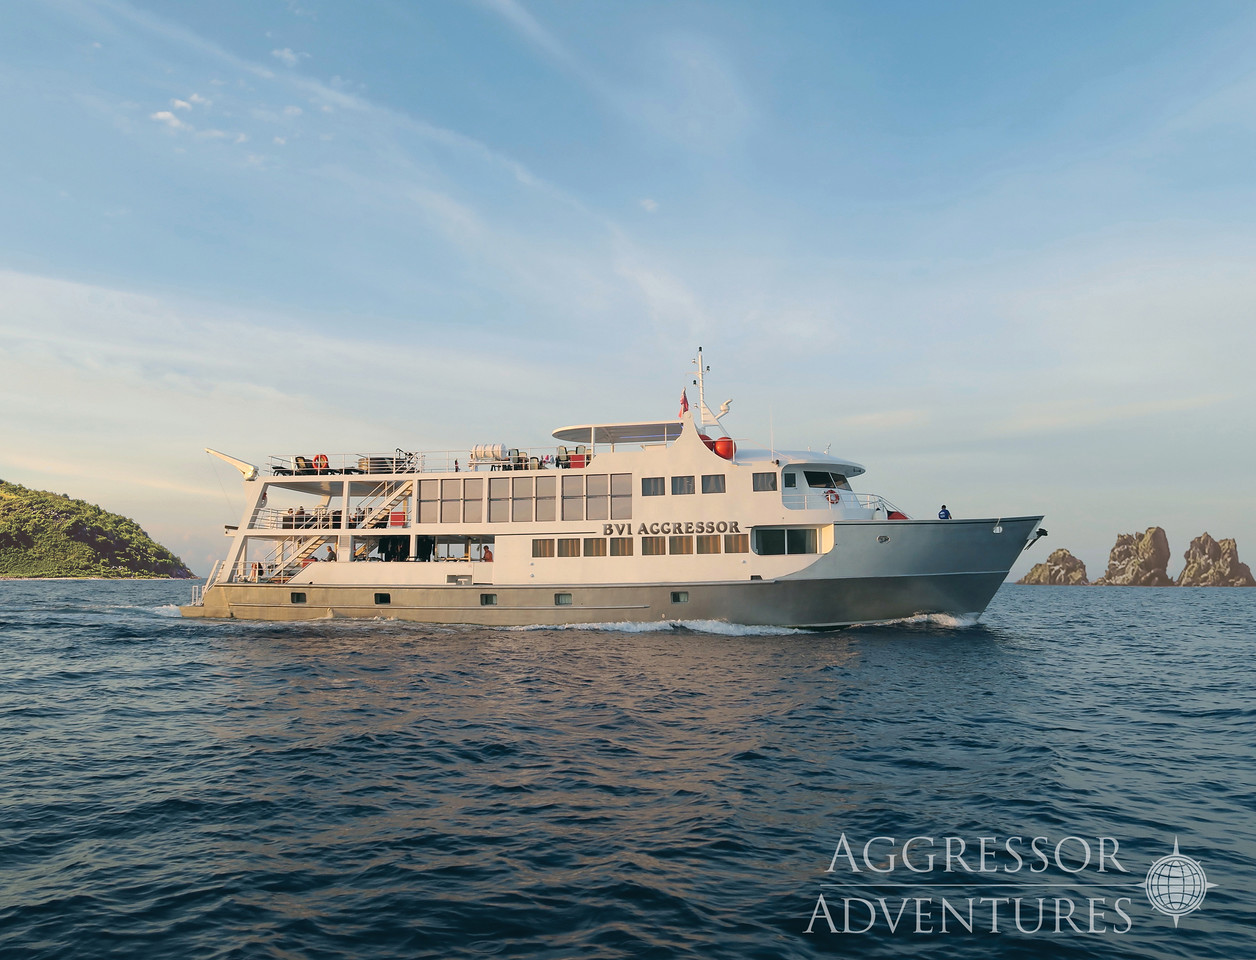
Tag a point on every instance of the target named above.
point(50, 535)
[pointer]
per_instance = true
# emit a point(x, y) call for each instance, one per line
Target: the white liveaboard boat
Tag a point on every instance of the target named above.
point(653, 521)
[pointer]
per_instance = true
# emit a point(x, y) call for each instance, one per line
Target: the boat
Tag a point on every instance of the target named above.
point(659, 520)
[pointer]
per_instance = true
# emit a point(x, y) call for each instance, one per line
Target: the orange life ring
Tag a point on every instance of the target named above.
point(320, 462)
point(831, 496)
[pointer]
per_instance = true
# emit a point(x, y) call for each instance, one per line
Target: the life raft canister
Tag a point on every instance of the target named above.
point(320, 462)
point(831, 495)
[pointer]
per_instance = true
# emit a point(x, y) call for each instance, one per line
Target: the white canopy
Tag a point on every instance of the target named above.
point(658, 432)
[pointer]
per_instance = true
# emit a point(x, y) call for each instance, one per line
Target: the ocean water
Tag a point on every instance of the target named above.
point(193, 789)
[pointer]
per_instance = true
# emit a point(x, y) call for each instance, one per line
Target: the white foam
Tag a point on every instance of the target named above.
point(959, 621)
point(167, 610)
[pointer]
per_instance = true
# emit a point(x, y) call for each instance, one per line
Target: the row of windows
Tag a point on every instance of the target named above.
point(711, 483)
point(490, 599)
point(650, 546)
point(594, 496)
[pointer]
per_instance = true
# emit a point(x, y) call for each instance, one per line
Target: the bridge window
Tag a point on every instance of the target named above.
point(765, 481)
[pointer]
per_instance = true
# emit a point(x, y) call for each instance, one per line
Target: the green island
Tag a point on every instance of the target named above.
point(51, 535)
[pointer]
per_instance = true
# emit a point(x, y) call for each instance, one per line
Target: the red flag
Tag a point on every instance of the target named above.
point(684, 404)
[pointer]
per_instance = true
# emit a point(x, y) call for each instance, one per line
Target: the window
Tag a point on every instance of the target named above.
point(800, 541)
point(573, 498)
point(775, 542)
point(621, 496)
point(713, 483)
point(562, 599)
point(542, 548)
point(546, 497)
point(709, 543)
point(765, 481)
point(791, 479)
point(450, 501)
point(598, 499)
point(488, 599)
point(595, 546)
point(652, 486)
point(498, 499)
point(383, 598)
point(682, 486)
point(521, 499)
point(680, 596)
point(569, 547)
point(621, 546)
point(429, 501)
point(736, 543)
point(473, 501)
point(823, 478)
point(653, 546)
point(298, 598)
point(680, 544)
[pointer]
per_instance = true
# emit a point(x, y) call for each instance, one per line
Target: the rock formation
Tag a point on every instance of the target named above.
point(1213, 564)
point(1138, 561)
point(1059, 569)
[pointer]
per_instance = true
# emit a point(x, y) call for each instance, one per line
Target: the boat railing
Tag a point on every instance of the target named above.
point(483, 457)
point(840, 501)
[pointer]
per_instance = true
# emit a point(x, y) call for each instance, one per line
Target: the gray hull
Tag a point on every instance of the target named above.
point(876, 571)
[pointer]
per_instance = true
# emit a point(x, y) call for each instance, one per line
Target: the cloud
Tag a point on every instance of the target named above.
point(169, 119)
point(287, 57)
point(648, 205)
point(180, 104)
point(198, 99)
point(291, 111)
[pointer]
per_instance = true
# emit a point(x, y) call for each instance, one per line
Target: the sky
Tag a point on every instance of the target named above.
point(1003, 255)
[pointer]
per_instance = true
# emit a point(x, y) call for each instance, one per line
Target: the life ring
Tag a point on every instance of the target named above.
point(320, 462)
point(831, 496)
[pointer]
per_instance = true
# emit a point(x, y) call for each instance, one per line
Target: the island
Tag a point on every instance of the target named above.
point(45, 535)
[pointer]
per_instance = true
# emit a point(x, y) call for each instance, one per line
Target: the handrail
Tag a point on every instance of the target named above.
point(485, 457)
point(846, 501)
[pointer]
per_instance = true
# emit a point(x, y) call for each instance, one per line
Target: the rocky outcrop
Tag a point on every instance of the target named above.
point(1138, 561)
point(1061, 568)
point(1210, 563)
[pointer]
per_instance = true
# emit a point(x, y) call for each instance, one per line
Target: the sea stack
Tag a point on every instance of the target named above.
point(1138, 561)
point(1210, 563)
point(1061, 568)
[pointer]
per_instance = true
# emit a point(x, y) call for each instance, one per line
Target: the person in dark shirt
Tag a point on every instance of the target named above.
point(944, 514)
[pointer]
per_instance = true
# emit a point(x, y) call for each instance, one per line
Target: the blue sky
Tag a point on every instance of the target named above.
point(1000, 253)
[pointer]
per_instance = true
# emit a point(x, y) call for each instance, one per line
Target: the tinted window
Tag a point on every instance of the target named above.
point(765, 481)
point(713, 483)
point(682, 486)
point(652, 487)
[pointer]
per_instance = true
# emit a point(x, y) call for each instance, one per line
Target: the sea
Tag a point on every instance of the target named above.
point(1073, 775)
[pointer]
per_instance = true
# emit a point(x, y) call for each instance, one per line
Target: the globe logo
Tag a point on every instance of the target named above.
point(1176, 885)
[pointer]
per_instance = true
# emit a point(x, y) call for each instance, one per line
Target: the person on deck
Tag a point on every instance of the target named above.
point(486, 554)
point(331, 554)
point(944, 514)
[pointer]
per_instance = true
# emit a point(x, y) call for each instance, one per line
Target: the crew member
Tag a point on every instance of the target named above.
point(944, 514)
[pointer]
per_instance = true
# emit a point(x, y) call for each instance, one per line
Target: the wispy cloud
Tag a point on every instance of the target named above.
point(287, 57)
point(169, 119)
